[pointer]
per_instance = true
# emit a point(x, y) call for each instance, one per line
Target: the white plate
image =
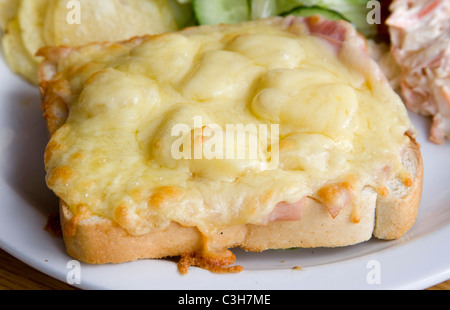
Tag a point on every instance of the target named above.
point(417, 261)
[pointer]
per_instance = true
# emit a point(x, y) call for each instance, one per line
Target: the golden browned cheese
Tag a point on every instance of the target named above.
point(337, 122)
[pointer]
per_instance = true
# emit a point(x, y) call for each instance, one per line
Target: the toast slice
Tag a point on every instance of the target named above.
point(338, 182)
point(98, 240)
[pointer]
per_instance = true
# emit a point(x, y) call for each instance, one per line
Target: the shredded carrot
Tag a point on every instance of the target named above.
point(429, 8)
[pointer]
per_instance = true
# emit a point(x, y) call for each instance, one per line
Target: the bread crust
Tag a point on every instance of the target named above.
point(98, 240)
point(397, 213)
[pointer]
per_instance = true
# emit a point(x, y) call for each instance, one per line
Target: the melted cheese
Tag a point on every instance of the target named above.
point(114, 156)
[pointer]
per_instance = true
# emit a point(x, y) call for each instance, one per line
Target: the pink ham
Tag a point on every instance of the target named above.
point(287, 212)
point(335, 197)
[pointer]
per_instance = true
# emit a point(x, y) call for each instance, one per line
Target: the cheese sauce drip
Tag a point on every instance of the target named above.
point(114, 152)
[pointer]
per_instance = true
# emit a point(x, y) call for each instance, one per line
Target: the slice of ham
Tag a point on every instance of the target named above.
point(334, 197)
point(332, 31)
point(287, 211)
